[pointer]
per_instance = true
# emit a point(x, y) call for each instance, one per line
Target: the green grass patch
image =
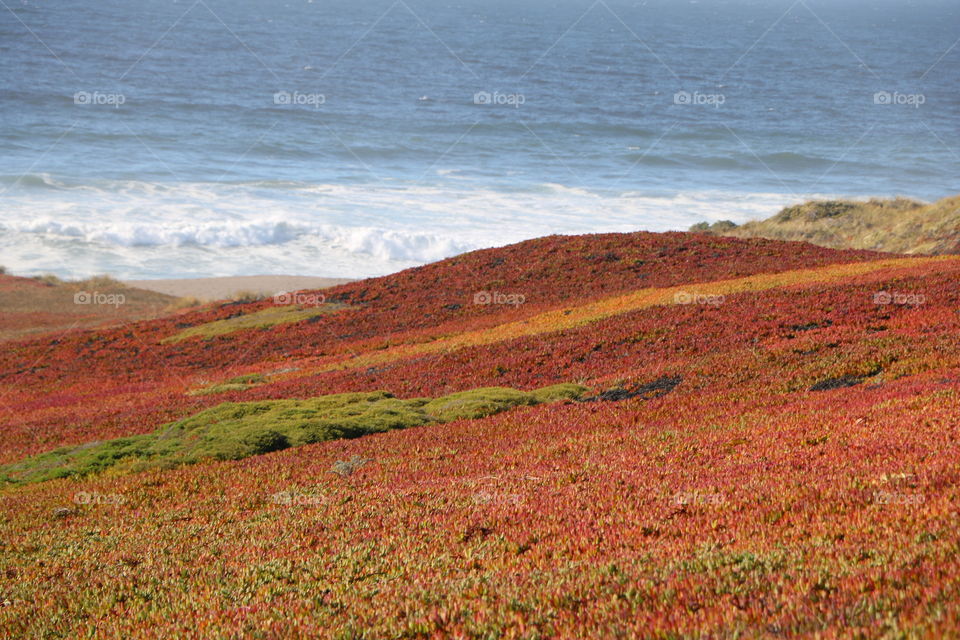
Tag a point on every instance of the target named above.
point(235, 430)
point(265, 318)
point(239, 383)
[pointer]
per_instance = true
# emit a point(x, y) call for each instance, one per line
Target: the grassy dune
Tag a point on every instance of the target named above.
point(33, 306)
point(897, 226)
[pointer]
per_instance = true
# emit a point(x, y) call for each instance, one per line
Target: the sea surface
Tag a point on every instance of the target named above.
point(147, 138)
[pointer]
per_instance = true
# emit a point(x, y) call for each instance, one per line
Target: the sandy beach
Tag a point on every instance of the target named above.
point(225, 287)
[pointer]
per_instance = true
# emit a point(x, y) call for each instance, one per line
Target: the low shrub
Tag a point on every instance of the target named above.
point(234, 430)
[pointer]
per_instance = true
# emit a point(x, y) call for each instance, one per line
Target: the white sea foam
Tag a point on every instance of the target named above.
point(141, 229)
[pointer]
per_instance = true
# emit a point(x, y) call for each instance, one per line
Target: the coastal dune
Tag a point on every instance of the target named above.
point(225, 287)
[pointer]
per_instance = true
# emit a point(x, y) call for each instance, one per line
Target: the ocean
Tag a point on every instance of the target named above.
point(158, 139)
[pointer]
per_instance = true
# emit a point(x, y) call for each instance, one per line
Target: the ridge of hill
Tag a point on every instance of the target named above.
point(147, 375)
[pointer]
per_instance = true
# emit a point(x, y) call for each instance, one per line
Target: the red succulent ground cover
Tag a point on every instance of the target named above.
point(774, 462)
point(85, 385)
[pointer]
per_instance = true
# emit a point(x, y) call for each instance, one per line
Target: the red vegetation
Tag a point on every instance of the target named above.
point(139, 382)
point(726, 497)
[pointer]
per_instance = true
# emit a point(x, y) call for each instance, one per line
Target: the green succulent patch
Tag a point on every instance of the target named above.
point(262, 319)
point(239, 383)
point(235, 430)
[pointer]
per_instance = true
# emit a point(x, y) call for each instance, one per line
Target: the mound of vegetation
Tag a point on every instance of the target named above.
point(261, 319)
point(48, 304)
point(897, 225)
point(235, 430)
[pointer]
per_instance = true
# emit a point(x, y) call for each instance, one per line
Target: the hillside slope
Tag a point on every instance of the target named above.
point(895, 226)
point(144, 375)
point(749, 439)
point(42, 305)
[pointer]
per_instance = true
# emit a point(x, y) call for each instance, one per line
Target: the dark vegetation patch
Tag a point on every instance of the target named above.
point(841, 382)
point(836, 383)
point(346, 468)
point(659, 387)
point(810, 326)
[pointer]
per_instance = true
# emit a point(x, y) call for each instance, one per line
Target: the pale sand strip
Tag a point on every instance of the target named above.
point(225, 287)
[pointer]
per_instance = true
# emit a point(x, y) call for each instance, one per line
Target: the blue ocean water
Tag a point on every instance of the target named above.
point(210, 137)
